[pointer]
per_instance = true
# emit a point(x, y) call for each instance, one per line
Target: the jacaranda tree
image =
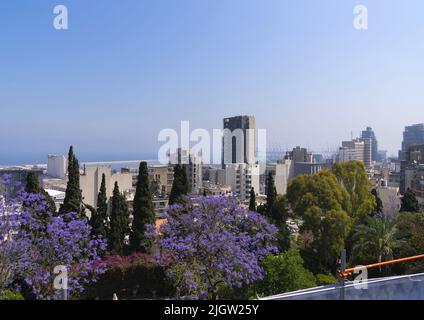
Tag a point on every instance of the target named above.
point(34, 241)
point(214, 243)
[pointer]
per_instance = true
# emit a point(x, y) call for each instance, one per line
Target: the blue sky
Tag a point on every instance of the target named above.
point(127, 69)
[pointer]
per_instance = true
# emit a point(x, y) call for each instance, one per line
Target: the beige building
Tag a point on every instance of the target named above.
point(161, 179)
point(356, 150)
point(194, 167)
point(91, 179)
point(241, 177)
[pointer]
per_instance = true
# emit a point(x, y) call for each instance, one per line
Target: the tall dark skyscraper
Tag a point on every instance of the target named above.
point(239, 140)
point(413, 135)
point(369, 134)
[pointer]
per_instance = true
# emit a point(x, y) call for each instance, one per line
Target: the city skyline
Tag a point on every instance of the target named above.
point(109, 84)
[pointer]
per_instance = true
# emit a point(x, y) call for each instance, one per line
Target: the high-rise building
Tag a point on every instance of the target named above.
point(369, 134)
point(239, 140)
point(241, 177)
point(194, 167)
point(412, 160)
point(299, 154)
point(56, 166)
point(359, 149)
point(413, 135)
point(283, 172)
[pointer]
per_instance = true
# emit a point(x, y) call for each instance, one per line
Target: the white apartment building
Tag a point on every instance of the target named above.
point(356, 150)
point(56, 166)
point(241, 177)
point(194, 167)
point(284, 172)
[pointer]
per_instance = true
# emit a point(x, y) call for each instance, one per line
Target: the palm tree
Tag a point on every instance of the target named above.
point(375, 238)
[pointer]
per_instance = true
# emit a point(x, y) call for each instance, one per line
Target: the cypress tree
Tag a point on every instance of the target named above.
point(179, 185)
point(119, 222)
point(73, 196)
point(143, 213)
point(33, 186)
point(252, 202)
point(99, 218)
point(409, 202)
point(379, 203)
point(271, 194)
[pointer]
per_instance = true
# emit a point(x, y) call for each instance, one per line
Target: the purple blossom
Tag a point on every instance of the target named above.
point(214, 242)
point(33, 242)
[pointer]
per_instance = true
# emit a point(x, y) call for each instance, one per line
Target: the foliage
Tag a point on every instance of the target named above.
point(36, 241)
point(278, 216)
point(323, 206)
point(180, 186)
point(284, 273)
point(271, 193)
point(10, 295)
point(252, 200)
point(214, 243)
point(325, 279)
point(409, 202)
point(136, 276)
point(353, 177)
point(379, 204)
point(143, 212)
point(119, 222)
point(73, 195)
point(33, 186)
point(99, 218)
point(374, 241)
point(410, 230)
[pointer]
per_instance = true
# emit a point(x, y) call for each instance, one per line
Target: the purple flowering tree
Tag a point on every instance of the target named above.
point(213, 243)
point(33, 241)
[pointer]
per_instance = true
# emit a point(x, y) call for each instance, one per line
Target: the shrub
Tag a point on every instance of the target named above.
point(10, 295)
point(325, 279)
point(138, 276)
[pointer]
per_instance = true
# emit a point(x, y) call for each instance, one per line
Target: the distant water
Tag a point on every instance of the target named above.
point(27, 159)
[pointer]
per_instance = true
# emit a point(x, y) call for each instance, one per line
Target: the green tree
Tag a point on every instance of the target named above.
point(409, 202)
point(271, 193)
point(379, 204)
point(33, 186)
point(284, 273)
point(323, 206)
point(353, 177)
point(99, 217)
point(143, 212)
point(179, 186)
point(410, 230)
point(375, 239)
point(279, 216)
point(119, 222)
point(252, 200)
point(73, 195)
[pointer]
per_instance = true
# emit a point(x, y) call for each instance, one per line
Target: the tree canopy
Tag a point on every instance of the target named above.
point(214, 243)
point(143, 213)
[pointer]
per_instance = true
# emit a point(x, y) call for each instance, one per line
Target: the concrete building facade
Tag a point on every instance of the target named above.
point(56, 166)
point(241, 177)
point(238, 140)
point(91, 179)
point(194, 167)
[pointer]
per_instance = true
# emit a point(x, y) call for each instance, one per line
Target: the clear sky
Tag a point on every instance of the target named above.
point(127, 69)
